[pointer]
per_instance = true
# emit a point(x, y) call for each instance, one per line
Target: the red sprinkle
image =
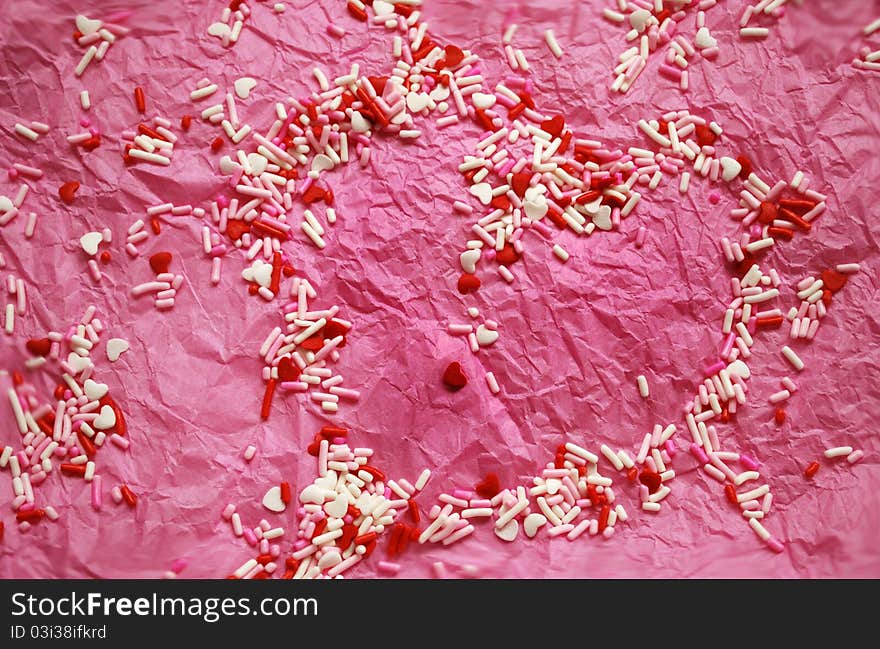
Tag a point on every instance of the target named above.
point(68, 190)
point(779, 416)
point(31, 516)
point(267, 399)
point(216, 144)
point(812, 469)
point(87, 444)
point(413, 512)
point(185, 122)
point(139, 100)
point(285, 493)
point(74, 469)
point(730, 492)
point(128, 496)
point(105, 257)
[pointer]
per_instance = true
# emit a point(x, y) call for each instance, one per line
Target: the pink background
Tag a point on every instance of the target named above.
point(573, 336)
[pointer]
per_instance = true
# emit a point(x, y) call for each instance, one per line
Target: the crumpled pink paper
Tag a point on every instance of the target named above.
point(573, 336)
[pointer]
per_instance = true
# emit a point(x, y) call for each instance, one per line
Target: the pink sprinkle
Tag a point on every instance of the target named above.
point(748, 462)
point(714, 198)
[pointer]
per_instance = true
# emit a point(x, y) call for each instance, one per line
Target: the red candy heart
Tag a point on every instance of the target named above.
point(313, 344)
point(160, 262)
point(554, 125)
point(39, 346)
point(333, 329)
point(650, 479)
point(500, 202)
point(68, 190)
point(453, 377)
point(468, 283)
point(313, 193)
point(768, 212)
point(705, 135)
point(454, 56)
point(287, 371)
point(315, 446)
point(507, 255)
point(833, 280)
point(520, 183)
point(378, 84)
point(746, 164)
point(349, 531)
point(236, 228)
point(488, 487)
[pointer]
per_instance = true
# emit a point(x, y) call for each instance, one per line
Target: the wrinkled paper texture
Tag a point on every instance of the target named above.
point(573, 337)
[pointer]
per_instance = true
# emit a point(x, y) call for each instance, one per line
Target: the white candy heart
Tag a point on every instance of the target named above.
point(312, 494)
point(730, 168)
point(704, 39)
point(260, 272)
point(508, 532)
point(94, 390)
point(593, 207)
point(77, 362)
point(272, 500)
point(332, 556)
point(639, 19)
point(400, 118)
point(220, 30)
point(86, 26)
point(257, 162)
point(228, 166)
point(469, 259)
point(533, 523)
point(382, 8)
point(486, 336)
point(337, 507)
point(359, 123)
point(533, 193)
point(328, 482)
point(602, 217)
point(740, 369)
point(105, 420)
point(483, 100)
point(89, 242)
point(440, 93)
point(536, 209)
point(116, 347)
point(244, 86)
point(322, 163)
point(417, 101)
point(5, 204)
point(482, 191)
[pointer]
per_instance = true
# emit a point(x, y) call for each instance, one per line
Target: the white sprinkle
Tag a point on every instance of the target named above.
point(642, 382)
point(552, 43)
point(560, 252)
point(792, 358)
point(838, 451)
